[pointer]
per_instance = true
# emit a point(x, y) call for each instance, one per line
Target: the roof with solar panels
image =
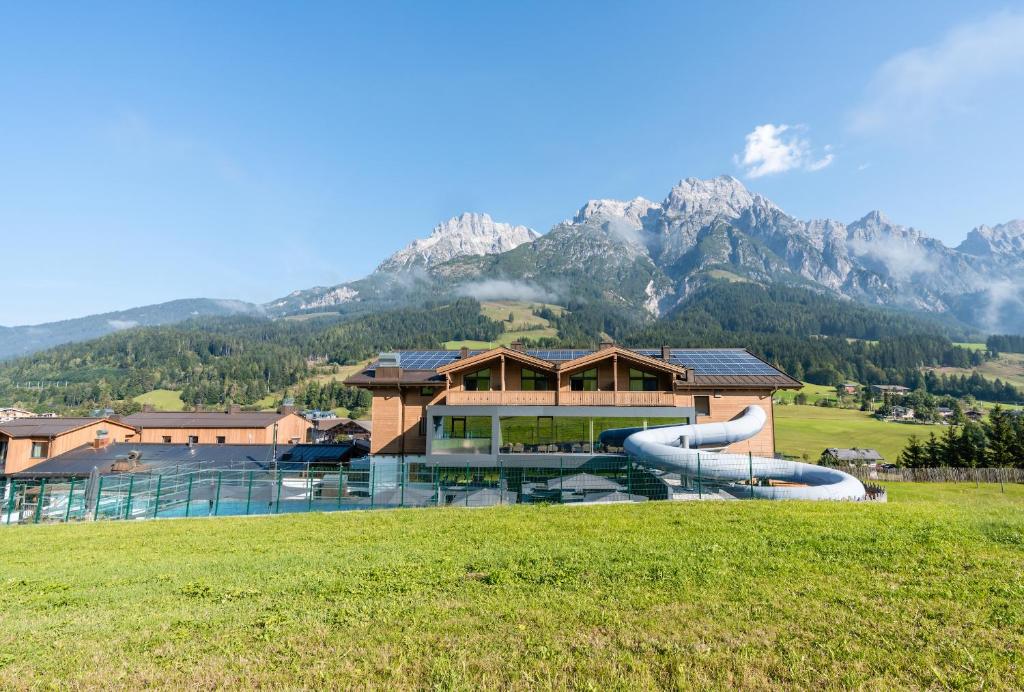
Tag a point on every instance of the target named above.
point(705, 367)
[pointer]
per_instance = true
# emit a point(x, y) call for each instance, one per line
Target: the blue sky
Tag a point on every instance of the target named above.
point(152, 151)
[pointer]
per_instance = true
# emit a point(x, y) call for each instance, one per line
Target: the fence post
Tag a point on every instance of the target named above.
point(12, 488)
point(128, 503)
point(999, 472)
point(629, 475)
point(373, 474)
point(39, 499)
point(700, 488)
point(401, 480)
point(501, 483)
point(99, 494)
point(750, 476)
point(341, 483)
point(188, 495)
point(248, 495)
point(309, 490)
point(159, 489)
point(216, 497)
point(436, 473)
point(561, 482)
point(277, 505)
point(71, 496)
point(467, 484)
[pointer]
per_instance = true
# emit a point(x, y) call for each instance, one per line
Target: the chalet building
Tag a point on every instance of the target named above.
point(11, 413)
point(332, 429)
point(891, 389)
point(25, 442)
point(856, 456)
point(232, 427)
point(511, 405)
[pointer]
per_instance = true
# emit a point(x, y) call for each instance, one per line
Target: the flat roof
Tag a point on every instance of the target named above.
point(204, 419)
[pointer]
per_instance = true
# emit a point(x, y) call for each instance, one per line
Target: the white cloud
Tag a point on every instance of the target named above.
point(772, 149)
point(915, 86)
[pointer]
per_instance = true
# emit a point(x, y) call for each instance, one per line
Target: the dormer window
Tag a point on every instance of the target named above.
point(479, 381)
point(585, 381)
point(534, 381)
point(640, 381)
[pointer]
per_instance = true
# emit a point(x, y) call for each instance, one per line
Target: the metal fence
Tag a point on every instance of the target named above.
point(252, 488)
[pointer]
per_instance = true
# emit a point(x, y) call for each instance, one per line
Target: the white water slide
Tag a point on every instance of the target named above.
point(676, 449)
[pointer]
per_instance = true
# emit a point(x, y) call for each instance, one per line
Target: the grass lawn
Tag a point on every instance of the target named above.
point(1008, 367)
point(162, 400)
point(810, 429)
point(813, 392)
point(922, 592)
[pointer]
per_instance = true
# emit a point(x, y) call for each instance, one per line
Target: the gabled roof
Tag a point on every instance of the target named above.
point(597, 356)
point(484, 356)
point(51, 427)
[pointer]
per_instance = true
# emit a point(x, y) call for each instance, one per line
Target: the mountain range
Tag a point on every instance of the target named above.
point(651, 255)
point(646, 258)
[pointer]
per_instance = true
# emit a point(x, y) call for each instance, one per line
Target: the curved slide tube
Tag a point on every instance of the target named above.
point(673, 448)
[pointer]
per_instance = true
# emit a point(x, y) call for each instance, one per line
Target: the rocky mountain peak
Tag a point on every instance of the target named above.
point(722, 196)
point(460, 236)
point(989, 241)
point(605, 210)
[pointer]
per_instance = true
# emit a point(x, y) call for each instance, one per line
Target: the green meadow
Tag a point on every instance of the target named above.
point(924, 591)
point(809, 430)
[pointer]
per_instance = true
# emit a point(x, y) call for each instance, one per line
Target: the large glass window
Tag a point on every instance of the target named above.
point(640, 381)
point(585, 381)
point(463, 435)
point(479, 381)
point(534, 381)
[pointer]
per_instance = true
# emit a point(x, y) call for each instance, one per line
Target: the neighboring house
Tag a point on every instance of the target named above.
point(974, 415)
point(901, 413)
point(455, 409)
point(893, 389)
point(944, 412)
point(855, 456)
point(233, 427)
point(26, 442)
point(330, 429)
point(10, 413)
point(850, 387)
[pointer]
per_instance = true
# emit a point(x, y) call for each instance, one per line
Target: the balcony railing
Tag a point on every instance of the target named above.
point(506, 398)
point(551, 398)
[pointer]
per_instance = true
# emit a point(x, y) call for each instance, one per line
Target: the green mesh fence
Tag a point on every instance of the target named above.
point(247, 488)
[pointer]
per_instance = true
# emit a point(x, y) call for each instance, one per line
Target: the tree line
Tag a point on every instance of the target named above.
point(996, 442)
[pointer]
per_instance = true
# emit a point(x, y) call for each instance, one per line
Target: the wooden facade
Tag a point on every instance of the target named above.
point(221, 428)
point(18, 448)
point(400, 407)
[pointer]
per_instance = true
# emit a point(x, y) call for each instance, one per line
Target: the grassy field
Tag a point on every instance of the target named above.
point(813, 392)
point(162, 400)
point(922, 592)
point(809, 430)
point(1008, 367)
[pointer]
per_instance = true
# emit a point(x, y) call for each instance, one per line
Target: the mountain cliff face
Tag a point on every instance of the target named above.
point(652, 255)
point(460, 236)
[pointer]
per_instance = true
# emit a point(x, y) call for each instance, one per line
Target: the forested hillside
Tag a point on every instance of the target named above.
point(240, 360)
point(817, 338)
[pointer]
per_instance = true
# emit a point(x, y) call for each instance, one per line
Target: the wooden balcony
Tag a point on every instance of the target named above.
point(551, 398)
point(506, 398)
point(616, 399)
